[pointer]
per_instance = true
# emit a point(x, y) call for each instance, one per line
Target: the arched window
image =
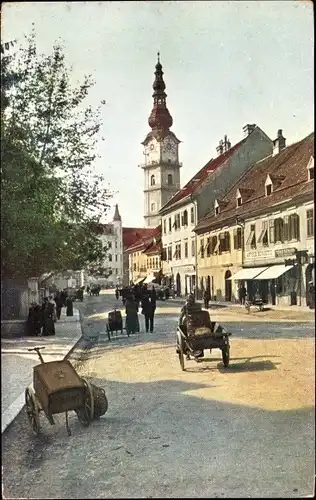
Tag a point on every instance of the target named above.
point(169, 179)
point(152, 180)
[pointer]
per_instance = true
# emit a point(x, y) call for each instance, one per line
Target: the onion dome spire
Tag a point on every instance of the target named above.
point(160, 118)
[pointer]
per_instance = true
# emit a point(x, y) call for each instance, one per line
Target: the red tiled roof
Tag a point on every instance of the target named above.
point(202, 174)
point(289, 168)
point(144, 239)
point(133, 234)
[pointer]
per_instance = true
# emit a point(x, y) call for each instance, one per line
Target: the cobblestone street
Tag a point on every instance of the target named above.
point(247, 430)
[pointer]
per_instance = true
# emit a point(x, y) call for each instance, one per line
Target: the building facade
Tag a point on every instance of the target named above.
point(145, 257)
point(189, 205)
point(161, 152)
point(261, 234)
point(111, 236)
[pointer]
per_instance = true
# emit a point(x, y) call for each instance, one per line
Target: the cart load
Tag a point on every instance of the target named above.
point(196, 333)
point(114, 323)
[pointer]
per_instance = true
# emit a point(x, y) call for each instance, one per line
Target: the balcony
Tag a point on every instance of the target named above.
point(160, 164)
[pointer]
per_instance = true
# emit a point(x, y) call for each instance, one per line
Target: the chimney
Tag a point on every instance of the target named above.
point(247, 129)
point(278, 143)
point(220, 148)
point(227, 144)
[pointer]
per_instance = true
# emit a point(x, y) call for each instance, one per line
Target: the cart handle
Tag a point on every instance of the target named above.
point(37, 349)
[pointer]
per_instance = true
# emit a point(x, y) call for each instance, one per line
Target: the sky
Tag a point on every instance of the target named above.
point(225, 64)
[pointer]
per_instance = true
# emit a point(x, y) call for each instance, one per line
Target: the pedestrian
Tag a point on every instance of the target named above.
point(47, 317)
point(69, 307)
point(59, 305)
point(242, 292)
point(206, 297)
point(53, 303)
point(148, 310)
point(131, 310)
point(63, 296)
point(117, 292)
point(34, 320)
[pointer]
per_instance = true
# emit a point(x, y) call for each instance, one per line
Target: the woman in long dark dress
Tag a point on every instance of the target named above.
point(48, 318)
point(131, 309)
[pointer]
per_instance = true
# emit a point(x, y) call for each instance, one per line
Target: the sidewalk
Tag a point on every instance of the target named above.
point(212, 303)
point(17, 363)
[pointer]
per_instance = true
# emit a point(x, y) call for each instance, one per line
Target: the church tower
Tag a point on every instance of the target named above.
point(161, 152)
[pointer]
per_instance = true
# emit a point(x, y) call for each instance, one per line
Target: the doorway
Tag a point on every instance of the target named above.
point(178, 284)
point(228, 287)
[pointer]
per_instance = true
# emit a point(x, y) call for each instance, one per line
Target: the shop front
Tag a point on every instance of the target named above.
point(278, 276)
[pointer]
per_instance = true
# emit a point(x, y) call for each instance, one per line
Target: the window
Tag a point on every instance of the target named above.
point(152, 180)
point(176, 223)
point(170, 252)
point(268, 189)
point(278, 230)
point(115, 258)
point(286, 233)
point(116, 244)
point(208, 247)
point(216, 248)
point(224, 242)
point(239, 201)
point(134, 267)
point(294, 227)
point(252, 236)
point(110, 257)
point(310, 222)
point(164, 254)
point(184, 218)
point(186, 252)
point(271, 231)
point(263, 238)
point(310, 168)
point(170, 181)
point(202, 248)
point(177, 253)
point(164, 226)
point(152, 207)
point(192, 215)
point(169, 224)
point(109, 244)
point(213, 244)
point(237, 234)
point(193, 247)
point(217, 210)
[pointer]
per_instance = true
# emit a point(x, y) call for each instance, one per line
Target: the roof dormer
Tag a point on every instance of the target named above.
point(272, 183)
point(238, 198)
point(310, 168)
point(218, 205)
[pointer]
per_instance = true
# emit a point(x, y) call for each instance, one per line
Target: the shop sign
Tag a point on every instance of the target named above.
point(260, 254)
point(285, 252)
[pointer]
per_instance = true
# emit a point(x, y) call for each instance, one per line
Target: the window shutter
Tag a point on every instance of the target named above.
point(271, 231)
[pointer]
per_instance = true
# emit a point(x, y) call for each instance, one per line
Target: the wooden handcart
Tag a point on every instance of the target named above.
point(114, 323)
point(208, 335)
point(59, 389)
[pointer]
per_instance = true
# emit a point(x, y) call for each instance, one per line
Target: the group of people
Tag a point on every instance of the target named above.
point(134, 297)
point(42, 318)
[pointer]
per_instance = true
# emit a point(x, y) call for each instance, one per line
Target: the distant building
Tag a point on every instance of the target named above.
point(111, 236)
point(145, 257)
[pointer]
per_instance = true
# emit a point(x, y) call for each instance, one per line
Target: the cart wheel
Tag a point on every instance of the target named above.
point(85, 413)
point(225, 355)
point(108, 332)
point(180, 351)
point(32, 410)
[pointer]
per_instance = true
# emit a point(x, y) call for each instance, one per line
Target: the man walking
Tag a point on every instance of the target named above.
point(148, 310)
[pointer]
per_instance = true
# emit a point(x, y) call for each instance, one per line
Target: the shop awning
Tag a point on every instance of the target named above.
point(248, 273)
point(150, 278)
point(138, 281)
point(274, 272)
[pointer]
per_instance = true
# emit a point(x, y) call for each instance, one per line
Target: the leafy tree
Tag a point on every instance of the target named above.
point(51, 201)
